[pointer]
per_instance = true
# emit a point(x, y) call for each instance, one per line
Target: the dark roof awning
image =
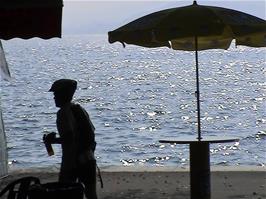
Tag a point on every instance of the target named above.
point(30, 18)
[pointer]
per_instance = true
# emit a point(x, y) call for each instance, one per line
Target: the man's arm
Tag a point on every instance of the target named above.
point(52, 139)
point(57, 140)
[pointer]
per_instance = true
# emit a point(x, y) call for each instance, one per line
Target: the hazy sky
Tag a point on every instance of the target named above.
point(87, 16)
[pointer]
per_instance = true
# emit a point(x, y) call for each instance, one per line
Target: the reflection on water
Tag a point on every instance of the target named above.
point(136, 96)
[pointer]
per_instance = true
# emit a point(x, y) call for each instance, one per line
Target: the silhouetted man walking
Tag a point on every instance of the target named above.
point(76, 136)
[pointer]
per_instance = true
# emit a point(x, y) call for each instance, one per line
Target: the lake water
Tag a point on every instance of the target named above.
point(135, 97)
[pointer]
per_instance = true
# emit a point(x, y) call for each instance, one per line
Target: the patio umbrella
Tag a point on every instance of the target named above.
point(25, 19)
point(193, 28)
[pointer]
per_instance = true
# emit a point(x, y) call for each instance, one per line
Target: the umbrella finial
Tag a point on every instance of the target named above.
point(195, 3)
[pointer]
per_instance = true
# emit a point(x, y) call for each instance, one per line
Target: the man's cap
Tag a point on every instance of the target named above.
point(64, 85)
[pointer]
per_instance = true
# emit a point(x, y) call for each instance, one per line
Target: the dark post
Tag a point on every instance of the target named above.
point(198, 91)
point(200, 181)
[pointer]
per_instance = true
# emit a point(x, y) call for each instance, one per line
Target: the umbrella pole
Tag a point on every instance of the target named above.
point(197, 92)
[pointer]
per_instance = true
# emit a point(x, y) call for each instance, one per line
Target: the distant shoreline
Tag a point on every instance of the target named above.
point(53, 169)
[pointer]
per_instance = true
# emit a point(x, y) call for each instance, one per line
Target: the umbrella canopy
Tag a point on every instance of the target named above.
point(30, 18)
point(215, 27)
point(195, 27)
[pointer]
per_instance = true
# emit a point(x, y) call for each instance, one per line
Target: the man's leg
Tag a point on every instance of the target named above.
point(67, 176)
point(87, 176)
